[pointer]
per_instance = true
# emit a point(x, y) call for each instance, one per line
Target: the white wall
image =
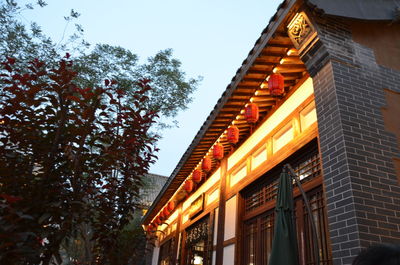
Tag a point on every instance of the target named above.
point(215, 226)
point(229, 255)
point(230, 218)
point(154, 260)
point(213, 259)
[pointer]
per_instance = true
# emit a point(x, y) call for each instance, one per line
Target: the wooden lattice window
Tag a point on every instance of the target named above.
point(307, 166)
point(258, 234)
point(304, 230)
point(258, 218)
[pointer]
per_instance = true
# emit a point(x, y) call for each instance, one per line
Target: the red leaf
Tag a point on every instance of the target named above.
point(74, 98)
point(106, 82)
point(8, 68)
point(11, 60)
point(9, 198)
point(107, 186)
point(131, 141)
point(67, 55)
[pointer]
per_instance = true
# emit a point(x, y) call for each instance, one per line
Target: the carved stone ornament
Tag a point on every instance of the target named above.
point(300, 30)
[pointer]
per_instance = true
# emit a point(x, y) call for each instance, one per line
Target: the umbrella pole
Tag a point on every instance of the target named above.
point(310, 215)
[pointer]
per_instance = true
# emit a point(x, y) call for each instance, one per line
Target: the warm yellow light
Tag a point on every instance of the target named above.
point(238, 117)
point(175, 193)
point(291, 51)
point(259, 156)
point(308, 116)
point(212, 196)
point(242, 111)
point(266, 79)
point(263, 85)
point(203, 188)
point(172, 218)
point(238, 175)
point(282, 137)
point(297, 98)
point(275, 70)
point(282, 61)
point(185, 218)
point(252, 100)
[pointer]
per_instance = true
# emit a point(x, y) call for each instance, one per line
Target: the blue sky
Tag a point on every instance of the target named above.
point(210, 38)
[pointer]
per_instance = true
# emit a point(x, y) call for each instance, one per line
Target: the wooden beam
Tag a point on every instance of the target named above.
point(244, 93)
point(279, 45)
point(281, 34)
point(292, 60)
point(247, 87)
point(272, 54)
point(264, 63)
point(234, 103)
point(230, 110)
point(290, 69)
point(261, 72)
point(262, 92)
point(296, 74)
point(253, 79)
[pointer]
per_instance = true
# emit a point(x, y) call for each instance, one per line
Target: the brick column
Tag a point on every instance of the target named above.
point(362, 191)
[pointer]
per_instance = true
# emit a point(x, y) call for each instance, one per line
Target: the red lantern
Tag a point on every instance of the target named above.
point(157, 221)
point(206, 164)
point(233, 134)
point(166, 212)
point(196, 176)
point(150, 228)
point(162, 216)
point(171, 206)
point(189, 186)
point(251, 113)
point(218, 151)
point(276, 84)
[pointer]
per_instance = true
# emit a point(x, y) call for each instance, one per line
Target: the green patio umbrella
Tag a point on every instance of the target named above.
point(284, 245)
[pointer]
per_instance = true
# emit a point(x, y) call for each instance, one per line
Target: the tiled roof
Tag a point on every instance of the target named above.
point(266, 54)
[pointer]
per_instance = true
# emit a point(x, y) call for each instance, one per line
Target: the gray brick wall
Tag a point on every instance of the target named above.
point(362, 192)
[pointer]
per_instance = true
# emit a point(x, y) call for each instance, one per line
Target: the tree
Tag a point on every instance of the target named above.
point(69, 155)
point(171, 91)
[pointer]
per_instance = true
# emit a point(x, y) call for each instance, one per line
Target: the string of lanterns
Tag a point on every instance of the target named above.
point(251, 113)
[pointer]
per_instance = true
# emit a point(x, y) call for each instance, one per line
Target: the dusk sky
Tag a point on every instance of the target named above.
point(210, 38)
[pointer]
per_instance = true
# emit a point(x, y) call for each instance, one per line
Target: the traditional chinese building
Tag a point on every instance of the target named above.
point(320, 90)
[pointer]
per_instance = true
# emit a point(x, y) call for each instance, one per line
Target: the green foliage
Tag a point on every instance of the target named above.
point(19, 42)
point(171, 91)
